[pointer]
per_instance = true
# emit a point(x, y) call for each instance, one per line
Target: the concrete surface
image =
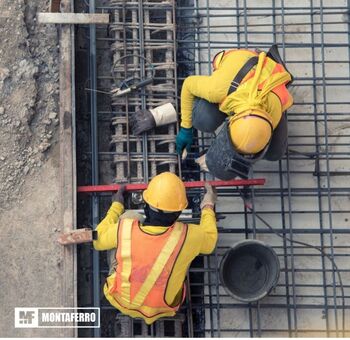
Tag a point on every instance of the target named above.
point(31, 259)
point(31, 267)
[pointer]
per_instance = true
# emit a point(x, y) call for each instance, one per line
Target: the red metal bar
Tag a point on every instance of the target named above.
point(195, 184)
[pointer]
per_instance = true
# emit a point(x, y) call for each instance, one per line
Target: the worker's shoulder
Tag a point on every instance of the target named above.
point(240, 55)
point(194, 229)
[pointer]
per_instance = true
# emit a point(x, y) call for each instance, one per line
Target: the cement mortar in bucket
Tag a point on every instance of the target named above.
point(249, 270)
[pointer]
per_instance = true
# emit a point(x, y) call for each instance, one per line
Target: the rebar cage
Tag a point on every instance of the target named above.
point(306, 198)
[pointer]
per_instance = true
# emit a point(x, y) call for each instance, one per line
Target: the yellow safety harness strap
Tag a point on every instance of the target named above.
point(159, 265)
point(272, 81)
point(126, 225)
point(248, 96)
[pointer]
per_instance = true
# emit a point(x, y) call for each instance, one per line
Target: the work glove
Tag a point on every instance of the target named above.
point(210, 196)
point(119, 196)
point(144, 120)
point(184, 139)
point(202, 163)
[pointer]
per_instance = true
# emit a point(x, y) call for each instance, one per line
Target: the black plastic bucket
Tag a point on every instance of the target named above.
point(249, 270)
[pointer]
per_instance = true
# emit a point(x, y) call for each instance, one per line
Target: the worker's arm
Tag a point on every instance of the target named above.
point(208, 220)
point(197, 86)
point(108, 228)
point(210, 231)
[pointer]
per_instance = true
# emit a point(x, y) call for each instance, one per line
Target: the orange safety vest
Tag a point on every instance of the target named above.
point(144, 264)
point(270, 67)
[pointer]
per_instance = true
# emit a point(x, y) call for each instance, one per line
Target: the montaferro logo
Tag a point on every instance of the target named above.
point(82, 317)
point(26, 317)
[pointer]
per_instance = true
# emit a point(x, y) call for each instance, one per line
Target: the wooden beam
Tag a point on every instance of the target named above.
point(77, 236)
point(67, 163)
point(72, 18)
point(55, 5)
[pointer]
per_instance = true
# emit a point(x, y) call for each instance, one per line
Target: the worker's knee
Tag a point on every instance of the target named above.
point(206, 117)
point(279, 141)
point(276, 151)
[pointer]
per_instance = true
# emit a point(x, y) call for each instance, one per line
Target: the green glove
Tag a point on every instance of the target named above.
point(184, 139)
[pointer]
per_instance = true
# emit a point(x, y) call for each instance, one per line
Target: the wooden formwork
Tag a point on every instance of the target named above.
point(67, 162)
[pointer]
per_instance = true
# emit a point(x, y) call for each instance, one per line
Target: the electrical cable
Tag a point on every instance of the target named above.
point(131, 55)
point(331, 259)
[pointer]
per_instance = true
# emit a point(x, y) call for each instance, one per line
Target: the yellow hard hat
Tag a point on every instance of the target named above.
point(166, 192)
point(250, 131)
point(217, 59)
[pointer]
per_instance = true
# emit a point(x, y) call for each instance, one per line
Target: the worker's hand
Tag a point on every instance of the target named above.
point(184, 139)
point(202, 163)
point(119, 196)
point(210, 197)
point(142, 121)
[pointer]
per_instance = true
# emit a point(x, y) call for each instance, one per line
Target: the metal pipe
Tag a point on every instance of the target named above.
point(194, 184)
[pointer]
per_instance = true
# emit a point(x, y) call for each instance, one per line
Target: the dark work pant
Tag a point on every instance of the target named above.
point(278, 145)
point(207, 117)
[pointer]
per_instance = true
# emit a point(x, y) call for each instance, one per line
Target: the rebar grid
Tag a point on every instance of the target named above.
point(307, 193)
point(144, 35)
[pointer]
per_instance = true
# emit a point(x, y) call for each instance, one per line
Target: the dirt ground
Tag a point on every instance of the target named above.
point(30, 266)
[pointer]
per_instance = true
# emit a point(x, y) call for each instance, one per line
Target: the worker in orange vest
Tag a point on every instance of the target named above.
point(151, 258)
point(248, 91)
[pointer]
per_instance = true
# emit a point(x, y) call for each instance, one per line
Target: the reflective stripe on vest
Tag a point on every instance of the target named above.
point(151, 276)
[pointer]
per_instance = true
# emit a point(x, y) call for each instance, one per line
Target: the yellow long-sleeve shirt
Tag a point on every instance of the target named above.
point(214, 88)
point(200, 239)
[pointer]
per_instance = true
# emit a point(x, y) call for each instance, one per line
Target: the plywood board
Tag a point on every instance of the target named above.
point(72, 18)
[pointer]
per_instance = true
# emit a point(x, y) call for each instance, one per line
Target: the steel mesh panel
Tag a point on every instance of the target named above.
point(307, 193)
point(306, 197)
point(145, 29)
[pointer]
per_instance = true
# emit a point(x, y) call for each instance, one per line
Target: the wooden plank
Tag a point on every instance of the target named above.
point(76, 236)
point(67, 163)
point(72, 18)
point(55, 5)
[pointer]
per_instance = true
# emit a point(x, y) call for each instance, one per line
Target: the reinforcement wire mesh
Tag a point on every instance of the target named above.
point(143, 35)
point(306, 196)
point(307, 193)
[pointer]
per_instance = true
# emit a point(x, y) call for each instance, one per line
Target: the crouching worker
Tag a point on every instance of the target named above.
point(150, 259)
point(247, 91)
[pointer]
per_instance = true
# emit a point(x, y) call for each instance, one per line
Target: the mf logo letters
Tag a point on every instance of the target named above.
point(26, 317)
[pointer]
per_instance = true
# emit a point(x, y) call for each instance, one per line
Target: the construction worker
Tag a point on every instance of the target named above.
point(247, 91)
point(151, 258)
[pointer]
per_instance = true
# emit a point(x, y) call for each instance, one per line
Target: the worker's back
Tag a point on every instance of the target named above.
point(214, 88)
point(226, 70)
point(143, 246)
